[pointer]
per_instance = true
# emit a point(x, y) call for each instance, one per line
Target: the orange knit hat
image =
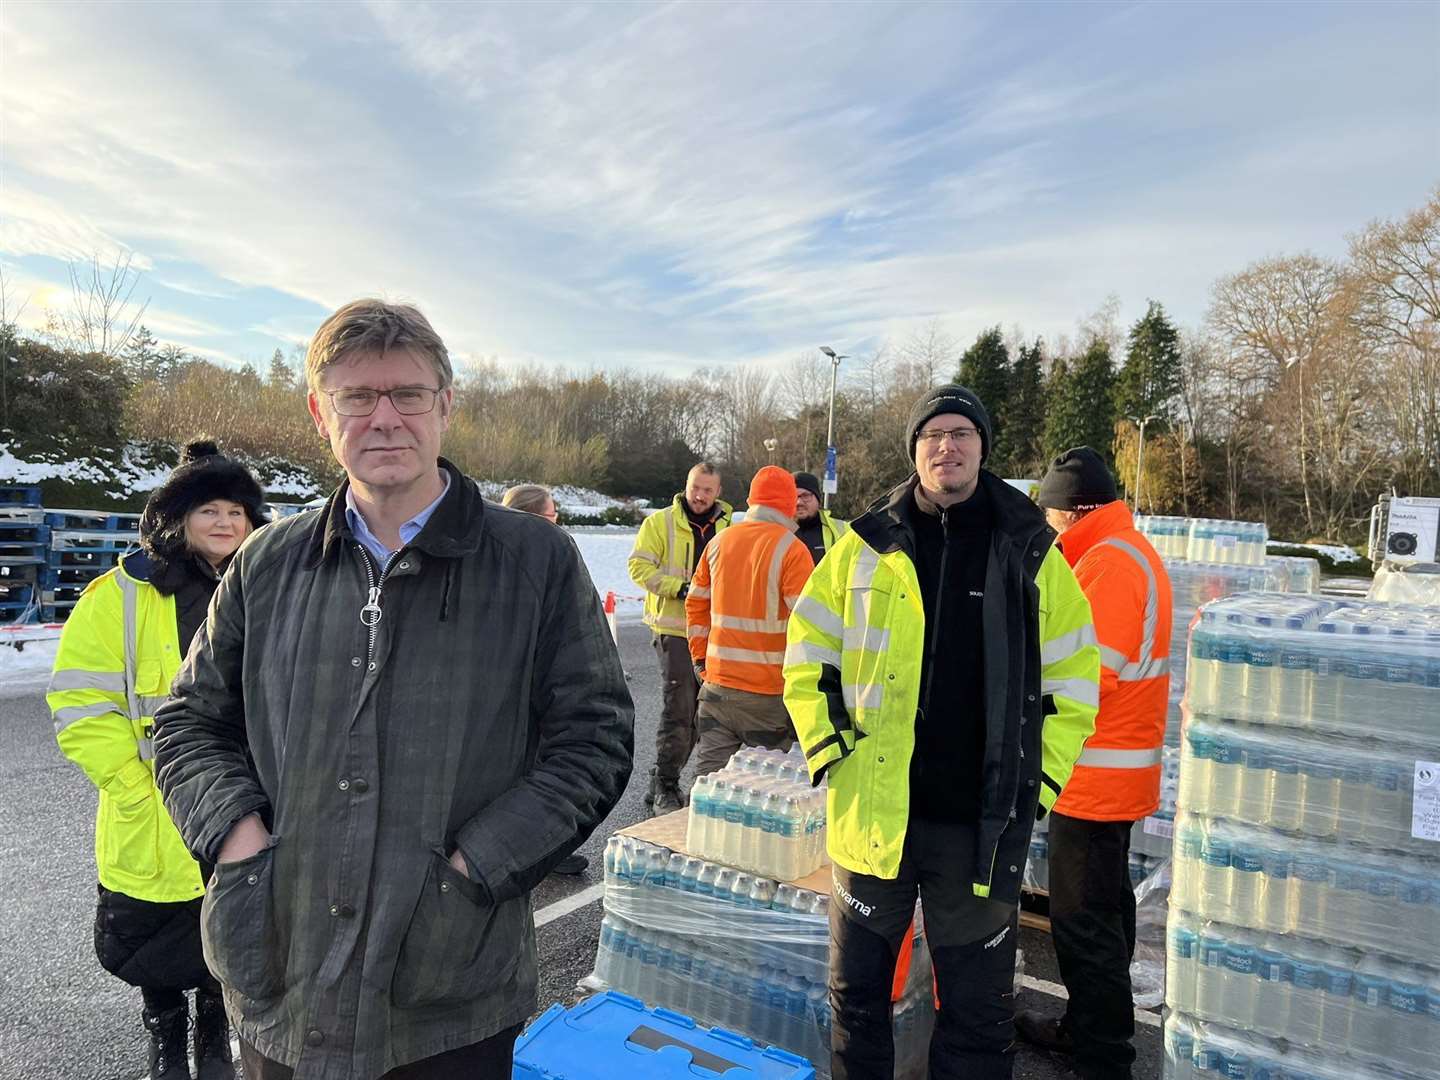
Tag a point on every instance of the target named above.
point(775, 488)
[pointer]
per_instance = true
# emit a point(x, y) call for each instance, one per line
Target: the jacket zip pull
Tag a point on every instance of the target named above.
point(371, 614)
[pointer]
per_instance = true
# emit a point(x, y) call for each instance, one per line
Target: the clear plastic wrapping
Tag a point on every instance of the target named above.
point(1315, 996)
point(1195, 1050)
point(760, 813)
point(1208, 540)
point(738, 951)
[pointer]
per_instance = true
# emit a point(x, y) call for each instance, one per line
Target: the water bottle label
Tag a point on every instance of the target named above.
point(1425, 815)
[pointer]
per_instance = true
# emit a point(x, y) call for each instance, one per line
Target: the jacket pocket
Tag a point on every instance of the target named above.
point(458, 945)
point(130, 832)
point(237, 926)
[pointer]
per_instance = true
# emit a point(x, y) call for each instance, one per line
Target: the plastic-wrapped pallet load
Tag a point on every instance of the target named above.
point(1304, 931)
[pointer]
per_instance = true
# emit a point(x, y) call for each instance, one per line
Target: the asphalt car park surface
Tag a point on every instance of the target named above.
point(61, 1016)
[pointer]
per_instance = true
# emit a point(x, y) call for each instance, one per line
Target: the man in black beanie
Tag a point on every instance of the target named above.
point(817, 530)
point(940, 671)
point(1117, 777)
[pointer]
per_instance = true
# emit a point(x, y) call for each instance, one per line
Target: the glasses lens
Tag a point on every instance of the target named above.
point(355, 402)
point(412, 400)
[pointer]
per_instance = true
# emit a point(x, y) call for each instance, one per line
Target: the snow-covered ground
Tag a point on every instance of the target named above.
point(1340, 553)
point(604, 549)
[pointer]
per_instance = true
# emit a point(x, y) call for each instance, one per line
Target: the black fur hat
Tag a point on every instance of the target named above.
point(202, 475)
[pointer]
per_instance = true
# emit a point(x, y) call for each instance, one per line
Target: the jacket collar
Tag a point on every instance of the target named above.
point(761, 512)
point(721, 509)
point(452, 532)
point(138, 565)
point(1113, 517)
point(885, 525)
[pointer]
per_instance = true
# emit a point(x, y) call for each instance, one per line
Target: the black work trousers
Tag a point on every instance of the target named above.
point(1092, 921)
point(972, 944)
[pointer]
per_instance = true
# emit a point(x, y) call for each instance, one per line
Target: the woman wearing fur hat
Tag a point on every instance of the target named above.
point(121, 647)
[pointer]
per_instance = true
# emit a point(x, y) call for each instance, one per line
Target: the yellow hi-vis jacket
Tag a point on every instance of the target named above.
point(662, 561)
point(853, 663)
point(119, 652)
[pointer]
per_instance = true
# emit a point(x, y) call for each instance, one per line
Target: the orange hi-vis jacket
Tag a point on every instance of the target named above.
point(740, 600)
point(1117, 776)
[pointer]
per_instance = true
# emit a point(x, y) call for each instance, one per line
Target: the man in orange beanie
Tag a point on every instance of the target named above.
point(739, 602)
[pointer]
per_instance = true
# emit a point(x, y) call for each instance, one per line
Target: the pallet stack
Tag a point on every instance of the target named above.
point(47, 557)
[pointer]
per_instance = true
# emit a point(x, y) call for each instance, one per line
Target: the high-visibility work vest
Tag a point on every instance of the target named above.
point(744, 589)
point(1117, 776)
point(660, 563)
point(118, 654)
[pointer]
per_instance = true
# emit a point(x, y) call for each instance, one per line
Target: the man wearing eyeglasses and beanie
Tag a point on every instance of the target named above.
point(402, 712)
point(941, 671)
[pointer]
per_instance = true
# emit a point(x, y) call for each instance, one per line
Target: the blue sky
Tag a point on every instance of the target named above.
point(665, 186)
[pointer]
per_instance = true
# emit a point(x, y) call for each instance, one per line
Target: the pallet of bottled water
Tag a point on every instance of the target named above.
point(736, 950)
point(1305, 903)
point(1205, 540)
point(761, 814)
point(1195, 1050)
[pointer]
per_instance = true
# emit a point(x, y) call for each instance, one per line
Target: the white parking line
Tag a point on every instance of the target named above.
point(574, 902)
point(1056, 990)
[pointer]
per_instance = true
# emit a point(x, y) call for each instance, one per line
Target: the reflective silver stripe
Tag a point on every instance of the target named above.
point(866, 638)
point(863, 697)
point(1067, 645)
point(645, 556)
point(820, 617)
point(695, 630)
point(746, 656)
point(772, 580)
point(110, 682)
point(1148, 642)
point(810, 652)
point(770, 514)
point(1114, 659)
point(865, 563)
point(70, 714)
point(654, 581)
point(712, 556)
point(668, 622)
point(1081, 690)
point(701, 591)
point(756, 626)
point(148, 705)
point(146, 748)
point(1099, 758)
point(1141, 670)
point(130, 595)
point(790, 601)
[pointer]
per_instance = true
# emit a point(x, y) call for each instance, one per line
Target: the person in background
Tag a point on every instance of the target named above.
point(1116, 780)
point(532, 499)
point(941, 673)
point(120, 648)
point(403, 711)
point(536, 499)
point(667, 550)
point(736, 609)
point(817, 529)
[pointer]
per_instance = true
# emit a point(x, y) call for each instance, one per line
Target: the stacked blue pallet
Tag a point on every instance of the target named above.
point(83, 544)
point(614, 1034)
point(24, 540)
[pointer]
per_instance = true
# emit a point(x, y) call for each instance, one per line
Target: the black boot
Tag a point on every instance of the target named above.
point(168, 1045)
point(213, 1060)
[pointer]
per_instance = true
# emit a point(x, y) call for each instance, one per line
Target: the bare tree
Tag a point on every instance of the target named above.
point(103, 316)
point(931, 354)
point(803, 391)
point(10, 313)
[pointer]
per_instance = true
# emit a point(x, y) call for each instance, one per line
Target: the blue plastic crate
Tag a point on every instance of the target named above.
point(19, 495)
point(615, 1035)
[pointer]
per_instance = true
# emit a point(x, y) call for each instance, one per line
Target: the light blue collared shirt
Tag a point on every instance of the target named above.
point(408, 531)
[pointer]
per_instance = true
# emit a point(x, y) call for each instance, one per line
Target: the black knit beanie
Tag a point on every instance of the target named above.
point(949, 399)
point(202, 475)
point(1078, 479)
point(805, 481)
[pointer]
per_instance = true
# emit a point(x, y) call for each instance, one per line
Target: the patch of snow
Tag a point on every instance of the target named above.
point(1340, 553)
point(28, 669)
point(606, 552)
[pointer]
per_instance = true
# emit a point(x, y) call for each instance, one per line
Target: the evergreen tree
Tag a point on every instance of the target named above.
point(1149, 383)
point(1025, 417)
point(280, 377)
point(985, 369)
point(1080, 402)
point(141, 355)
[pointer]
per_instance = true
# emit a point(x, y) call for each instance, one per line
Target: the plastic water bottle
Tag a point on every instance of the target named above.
point(1179, 1049)
point(1197, 768)
point(1252, 800)
point(1232, 653)
point(1227, 755)
point(1385, 817)
point(674, 871)
point(750, 806)
point(790, 834)
point(1306, 973)
point(1370, 1030)
point(1215, 856)
point(1274, 973)
point(1185, 874)
point(1319, 796)
point(1284, 802)
point(1210, 977)
point(1241, 986)
point(1202, 675)
point(1246, 878)
point(1181, 965)
point(1354, 794)
point(1294, 678)
point(732, 843)
point(705, 880)
point(1336, 987)
point(1275, 913)
point(740, 890)
point(1310, 888)
point(1409, 1021)
point(1262, 657)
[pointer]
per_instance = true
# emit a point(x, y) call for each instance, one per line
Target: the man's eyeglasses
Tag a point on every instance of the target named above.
point(362, 401)
point(936, 436)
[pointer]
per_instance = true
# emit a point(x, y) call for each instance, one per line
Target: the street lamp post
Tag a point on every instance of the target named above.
point(770, 446)
point(1139, 457)
point(830, 427)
